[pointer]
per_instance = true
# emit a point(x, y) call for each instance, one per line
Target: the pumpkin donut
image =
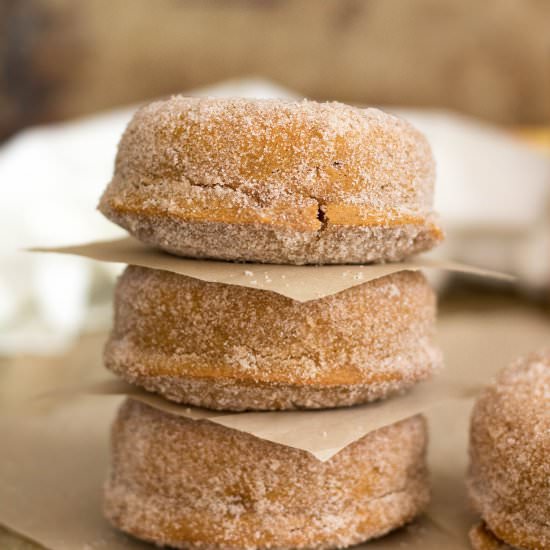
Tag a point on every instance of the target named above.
point(198, 485)
point(509, 476)
point(274, 181)
point(229, 347)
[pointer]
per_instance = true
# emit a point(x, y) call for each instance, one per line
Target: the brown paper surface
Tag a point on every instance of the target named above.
point(53, 460)
point(301, 283)
point(323, 433)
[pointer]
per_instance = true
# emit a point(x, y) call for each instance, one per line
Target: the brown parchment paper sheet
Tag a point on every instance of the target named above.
point(323, 433)
point(301, 283)
point(53, 459)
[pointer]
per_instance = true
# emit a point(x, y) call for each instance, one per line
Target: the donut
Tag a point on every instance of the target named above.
point(509, 474)
point(274, 181)
point(230, 347)
point(195, 484)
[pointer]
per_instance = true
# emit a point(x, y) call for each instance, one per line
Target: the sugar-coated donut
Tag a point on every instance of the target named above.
point(233, 348)
point(194, 484)
point(274, 181)
point(509, 476)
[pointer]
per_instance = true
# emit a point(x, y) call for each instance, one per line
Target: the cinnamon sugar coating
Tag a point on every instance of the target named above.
point(509, 475)
point(197, 485)
point(274, 181)
point(234, 348)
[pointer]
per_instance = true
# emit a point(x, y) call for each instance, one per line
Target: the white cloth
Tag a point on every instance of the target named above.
point(493, 195)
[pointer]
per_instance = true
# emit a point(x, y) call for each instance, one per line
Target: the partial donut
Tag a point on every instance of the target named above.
point(274, 181)
point(509, 476)
point(195, 485)
point(481, 538)
point(234, 348)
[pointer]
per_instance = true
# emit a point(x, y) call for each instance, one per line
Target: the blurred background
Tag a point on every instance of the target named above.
point(491, 59)
point(474, 76)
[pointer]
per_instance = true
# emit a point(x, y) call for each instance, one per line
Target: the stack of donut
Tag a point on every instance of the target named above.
point(275, 182)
